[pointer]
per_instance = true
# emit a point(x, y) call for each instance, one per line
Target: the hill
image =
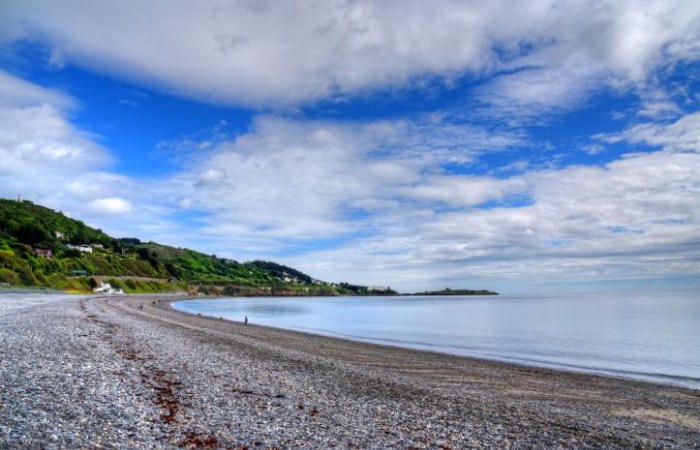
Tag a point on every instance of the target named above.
point(42, 247)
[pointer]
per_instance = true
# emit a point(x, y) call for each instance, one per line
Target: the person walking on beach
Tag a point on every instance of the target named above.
point(245, 322)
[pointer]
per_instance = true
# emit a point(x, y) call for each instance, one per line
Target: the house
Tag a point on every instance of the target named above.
point(45, 252)
point(83, 248)
point(60, 235)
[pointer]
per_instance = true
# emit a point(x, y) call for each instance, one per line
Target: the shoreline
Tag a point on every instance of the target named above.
point(111, 373)
point(659, 379)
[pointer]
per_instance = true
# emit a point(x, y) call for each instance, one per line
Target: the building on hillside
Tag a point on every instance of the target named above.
point(84, 248)
point(45, 252)
point(60, 235)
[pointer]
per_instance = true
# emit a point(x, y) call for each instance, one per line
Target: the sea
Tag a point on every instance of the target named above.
point(653, 337)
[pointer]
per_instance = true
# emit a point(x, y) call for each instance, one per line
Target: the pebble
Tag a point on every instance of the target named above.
point(82, 373)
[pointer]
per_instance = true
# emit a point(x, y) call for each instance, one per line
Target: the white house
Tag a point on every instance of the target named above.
point(82, 248)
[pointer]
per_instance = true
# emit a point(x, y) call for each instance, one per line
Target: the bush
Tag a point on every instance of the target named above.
point(8, 276)
point(41, 278)
point(27, 277)
point(76, 284)
point(72, 253)
point(31, 233)
point(116, 283)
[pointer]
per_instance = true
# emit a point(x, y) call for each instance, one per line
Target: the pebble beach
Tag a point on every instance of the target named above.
point(132, 373)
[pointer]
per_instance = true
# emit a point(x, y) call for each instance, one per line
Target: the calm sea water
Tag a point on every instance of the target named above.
point(653, 337)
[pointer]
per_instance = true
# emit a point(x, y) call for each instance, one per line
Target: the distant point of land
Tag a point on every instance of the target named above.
point(448, 291)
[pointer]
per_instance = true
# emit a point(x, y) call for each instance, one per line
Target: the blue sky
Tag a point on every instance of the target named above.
point(505, 145)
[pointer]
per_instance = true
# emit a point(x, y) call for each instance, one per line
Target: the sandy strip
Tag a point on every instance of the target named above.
point(170, 379)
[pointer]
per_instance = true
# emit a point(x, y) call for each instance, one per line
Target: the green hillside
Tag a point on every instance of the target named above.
point(44, 248)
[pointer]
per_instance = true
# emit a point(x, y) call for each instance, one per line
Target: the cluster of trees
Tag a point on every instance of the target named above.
point(355, 289)
point(280, 272)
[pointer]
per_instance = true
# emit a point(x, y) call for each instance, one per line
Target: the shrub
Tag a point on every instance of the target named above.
point(116, 283)
point(9, 276)
point(27, 277)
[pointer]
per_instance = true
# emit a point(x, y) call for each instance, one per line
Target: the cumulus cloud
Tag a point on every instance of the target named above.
point(465, 191)
point(17, 93)
point(49, 160)
point(291, 180)
point(110, 206)
point(272, 54)
point(380, 192)
point(637, 217)
point(36, 138)
point(393, 214)
point(683, 134)
point(39, 140)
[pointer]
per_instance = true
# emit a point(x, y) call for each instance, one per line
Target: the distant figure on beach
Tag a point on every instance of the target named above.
point(245, 322)
point(141, 306)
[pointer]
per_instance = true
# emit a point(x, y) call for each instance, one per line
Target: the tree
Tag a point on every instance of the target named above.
point(32, 233)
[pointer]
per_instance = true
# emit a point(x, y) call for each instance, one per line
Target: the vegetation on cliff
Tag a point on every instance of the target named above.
point(43, 247)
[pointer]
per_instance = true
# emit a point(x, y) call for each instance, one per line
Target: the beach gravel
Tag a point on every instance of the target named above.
point(80, 372)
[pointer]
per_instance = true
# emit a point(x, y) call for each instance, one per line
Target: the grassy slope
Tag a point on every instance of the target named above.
point(128, 263)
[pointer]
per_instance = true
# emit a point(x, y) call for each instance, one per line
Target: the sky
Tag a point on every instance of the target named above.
point(516, 146)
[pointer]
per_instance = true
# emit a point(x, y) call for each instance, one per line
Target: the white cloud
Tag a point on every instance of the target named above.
point(57, 59)
point(636, 218)
point(465, 191)
point(684, 134)
point(290, 182)
point(533, 93)
point(42, 153)
point(287, 180)
point(37, 142)
point(45, 158)
point(282, 54)
point(17, 93)
point(110, 206)
point(379, 190)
